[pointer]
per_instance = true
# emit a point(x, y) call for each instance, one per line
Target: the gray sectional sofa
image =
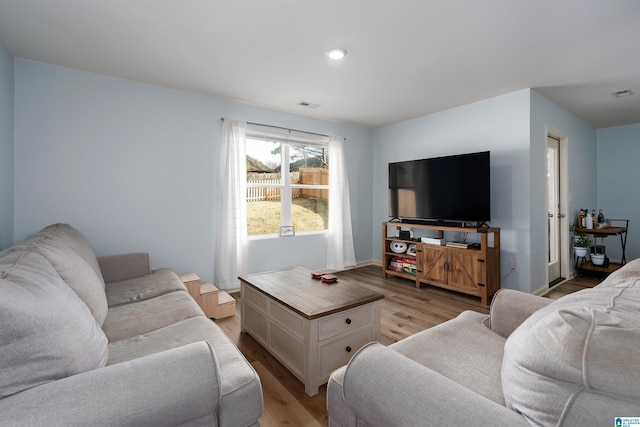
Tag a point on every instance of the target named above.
point(92, 341)
point(532, 361)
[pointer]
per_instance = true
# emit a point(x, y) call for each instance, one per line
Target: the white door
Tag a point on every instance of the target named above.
point(553, 210)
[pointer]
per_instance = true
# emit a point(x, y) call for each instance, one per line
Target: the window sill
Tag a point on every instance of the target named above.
point(298, 234)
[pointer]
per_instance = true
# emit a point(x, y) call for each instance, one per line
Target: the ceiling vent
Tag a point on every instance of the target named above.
point(308, 104)
point(621, 93)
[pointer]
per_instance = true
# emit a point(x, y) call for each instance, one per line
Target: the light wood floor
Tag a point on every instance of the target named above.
point(405, 310)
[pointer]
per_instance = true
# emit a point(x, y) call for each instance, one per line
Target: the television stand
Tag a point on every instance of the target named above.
point(473, 270)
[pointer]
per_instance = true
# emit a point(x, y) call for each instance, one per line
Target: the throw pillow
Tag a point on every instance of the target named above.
point(577, 360)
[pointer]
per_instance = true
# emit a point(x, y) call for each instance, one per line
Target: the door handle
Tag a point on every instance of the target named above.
point(561, 215)
point(550, 215)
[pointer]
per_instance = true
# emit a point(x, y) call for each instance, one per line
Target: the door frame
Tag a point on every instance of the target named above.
point(565, 253)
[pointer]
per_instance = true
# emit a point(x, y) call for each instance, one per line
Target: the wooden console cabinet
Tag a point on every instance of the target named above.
point(474, 270)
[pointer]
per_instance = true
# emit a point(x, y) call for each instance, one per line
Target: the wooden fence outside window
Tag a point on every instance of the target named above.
point(308, 176)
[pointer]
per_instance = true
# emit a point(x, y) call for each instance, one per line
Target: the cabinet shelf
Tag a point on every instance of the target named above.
point(474, 270)
point(589, 266)
point(401, 274)
point(405, 255)
point(395, 239)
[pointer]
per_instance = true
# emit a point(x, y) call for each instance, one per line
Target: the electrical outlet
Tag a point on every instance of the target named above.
point(514, 266)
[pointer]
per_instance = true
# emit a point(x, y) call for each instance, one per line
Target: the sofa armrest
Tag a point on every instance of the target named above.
point(385, 388)
point(510, 308)
point(163, 389)
point(116, 268)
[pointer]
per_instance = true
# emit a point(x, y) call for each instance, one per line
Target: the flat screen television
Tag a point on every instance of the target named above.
point(453, 189)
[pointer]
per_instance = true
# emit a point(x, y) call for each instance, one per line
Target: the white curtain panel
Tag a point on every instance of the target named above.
point(231, 228)
point(340, 252)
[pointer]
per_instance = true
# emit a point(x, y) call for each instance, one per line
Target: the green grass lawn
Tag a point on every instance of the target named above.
point(307, 215)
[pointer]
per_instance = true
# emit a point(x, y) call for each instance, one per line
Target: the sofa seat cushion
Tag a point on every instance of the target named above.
point(47, 332)
point(240, 385)
point(128, 320)
point(159, 282)
point(463, 350)
point(577, 361)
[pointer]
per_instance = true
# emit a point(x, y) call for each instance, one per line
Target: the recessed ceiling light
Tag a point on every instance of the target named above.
point(336, 53)
point(621, 93)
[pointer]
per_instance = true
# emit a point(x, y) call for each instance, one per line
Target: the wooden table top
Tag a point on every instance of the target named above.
point(310, 298)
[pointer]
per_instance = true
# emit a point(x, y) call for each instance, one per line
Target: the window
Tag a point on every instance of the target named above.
point(287, 184)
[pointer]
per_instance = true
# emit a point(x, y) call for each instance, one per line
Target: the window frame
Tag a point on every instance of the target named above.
point(286, 187)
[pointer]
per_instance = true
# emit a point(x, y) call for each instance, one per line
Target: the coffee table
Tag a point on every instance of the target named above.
point(311, 327)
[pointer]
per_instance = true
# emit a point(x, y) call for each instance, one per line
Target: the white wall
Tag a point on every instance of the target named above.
point(581, 138)
point(6, 147)
point(500, 125)
point(514, 128)
point(133, 166)
point(618, 183)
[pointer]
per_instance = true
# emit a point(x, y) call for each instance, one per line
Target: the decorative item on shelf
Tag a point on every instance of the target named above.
point(572, 230)
point(597, 255)
point(398, 247)
point(434, 241)
point(411, 250)
point(395, 264)
point(589, 222)
point(581, 245)
point(409, 265)
point(597, 259)
point(405, 235)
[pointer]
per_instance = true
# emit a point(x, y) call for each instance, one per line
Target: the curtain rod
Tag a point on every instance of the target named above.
point(289, 129)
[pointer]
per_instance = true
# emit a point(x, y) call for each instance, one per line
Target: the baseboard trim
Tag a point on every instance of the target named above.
point(541, 291)
point(358, 265)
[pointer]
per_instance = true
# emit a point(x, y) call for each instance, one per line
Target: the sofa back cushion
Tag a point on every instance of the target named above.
point(47, 332)
point(622, 276)
point(56, 244)
point(74, 271)
point(577, 360)
point(76, 241)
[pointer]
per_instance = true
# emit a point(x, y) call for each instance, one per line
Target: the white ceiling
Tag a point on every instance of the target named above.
point(406, 58)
